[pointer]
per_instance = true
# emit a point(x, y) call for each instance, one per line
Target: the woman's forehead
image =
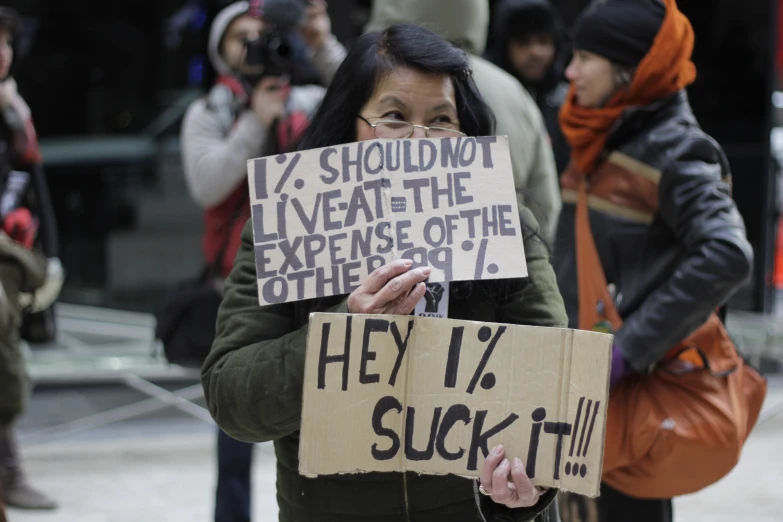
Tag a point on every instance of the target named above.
point(410, 86)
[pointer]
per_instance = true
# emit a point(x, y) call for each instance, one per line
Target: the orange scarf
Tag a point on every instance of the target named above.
point(665, 69)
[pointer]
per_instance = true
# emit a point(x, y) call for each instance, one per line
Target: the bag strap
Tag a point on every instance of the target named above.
point(596, 305)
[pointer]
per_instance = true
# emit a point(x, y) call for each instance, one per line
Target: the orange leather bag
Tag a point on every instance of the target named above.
point(682, 427)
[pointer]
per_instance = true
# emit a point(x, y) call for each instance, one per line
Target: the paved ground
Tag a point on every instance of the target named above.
point(162, 469)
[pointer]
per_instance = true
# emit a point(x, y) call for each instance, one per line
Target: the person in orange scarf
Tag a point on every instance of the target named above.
point(669, 237)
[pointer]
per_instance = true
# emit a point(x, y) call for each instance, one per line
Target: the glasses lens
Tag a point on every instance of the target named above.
point(393, 129)
point(442, 132)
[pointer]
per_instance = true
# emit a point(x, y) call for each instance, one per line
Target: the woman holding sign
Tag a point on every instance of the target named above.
point(666, 232)
point(403, 82)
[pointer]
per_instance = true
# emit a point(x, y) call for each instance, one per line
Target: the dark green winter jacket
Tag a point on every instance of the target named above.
point(253, 380)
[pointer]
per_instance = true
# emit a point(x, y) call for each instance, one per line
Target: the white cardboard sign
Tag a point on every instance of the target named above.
point(324, 219)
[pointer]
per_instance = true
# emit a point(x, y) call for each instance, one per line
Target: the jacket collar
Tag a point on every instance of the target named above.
point(637, 119)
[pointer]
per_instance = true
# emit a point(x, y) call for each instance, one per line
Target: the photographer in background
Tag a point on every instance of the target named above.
point(28, 282)
point(251, 111)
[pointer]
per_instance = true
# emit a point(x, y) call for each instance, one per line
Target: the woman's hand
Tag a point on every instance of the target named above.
point(515, 491)
point(268, 100)
point(391, 289)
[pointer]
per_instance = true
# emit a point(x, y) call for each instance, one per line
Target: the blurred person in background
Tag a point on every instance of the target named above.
point(530, 44)
point(30, 272)
point(247, 114)
point(668, 234)
point(465, 23)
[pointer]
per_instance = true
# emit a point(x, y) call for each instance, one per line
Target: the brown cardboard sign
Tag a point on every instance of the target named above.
point(404, 393)
point(324, 219)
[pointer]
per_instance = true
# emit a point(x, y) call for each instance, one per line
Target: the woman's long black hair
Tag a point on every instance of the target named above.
point(375, 54)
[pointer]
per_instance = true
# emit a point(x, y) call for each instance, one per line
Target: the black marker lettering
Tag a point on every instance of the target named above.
point(335, 249)
point(376, 185)
point(385, 405)
point(360, 245)
point(584, 427)
point(329, 209)
point(437, 193)
point(300, 278)
point(311, 250)
point(576, 425)
point(259, 236)
point(402, 347)
point(471, 216)
point(270, 292)
point(442, 259)
point(504, 229)
point(407, 157)
point(451, 227)
point(480, 440)
point(452, 362)
point(289, 251)
point(592, 425)
point(379, 233)
point(325, 359)
point(426, 144)
point(368, 156)
point(308, 222)
point(281, 223)
point(321, 281)
point(417, 255)
point(350, 280)
point(459, 189)
point(412, 453)
point(532, 452)
point(390, 165)
point(262, 260)
point(328, 168)
point(468, 144)
point(402, 236)
point(416, 185)
point(370, 326)
point(456, 413)
point(490, 223)
point(450, 151)
point(348, 162)
point(434, 222)
point(259, 176)
point(358, 202)
point(561, 429)
point(486, 149)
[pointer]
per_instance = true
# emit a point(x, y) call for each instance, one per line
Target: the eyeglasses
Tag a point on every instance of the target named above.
point(396, 129)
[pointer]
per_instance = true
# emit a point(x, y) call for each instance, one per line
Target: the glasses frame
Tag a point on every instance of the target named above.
point(413, 128)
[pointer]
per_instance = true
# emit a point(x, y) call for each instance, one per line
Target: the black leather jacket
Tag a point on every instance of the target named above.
point(681, 251)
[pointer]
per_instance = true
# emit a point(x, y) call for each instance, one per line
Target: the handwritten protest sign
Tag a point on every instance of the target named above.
point(324, 219)
point(404, 393)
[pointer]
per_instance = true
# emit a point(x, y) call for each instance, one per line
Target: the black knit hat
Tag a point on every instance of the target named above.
point(622, 31)
point(521, 18)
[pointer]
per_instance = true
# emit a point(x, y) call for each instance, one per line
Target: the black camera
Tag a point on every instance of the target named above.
point(271, 54)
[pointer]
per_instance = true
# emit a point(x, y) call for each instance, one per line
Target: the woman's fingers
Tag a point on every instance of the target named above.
point(490, 464)
point(400, 285)
point(382, 275)
point(408, 304)
point(527, 494)
point(501, 493)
